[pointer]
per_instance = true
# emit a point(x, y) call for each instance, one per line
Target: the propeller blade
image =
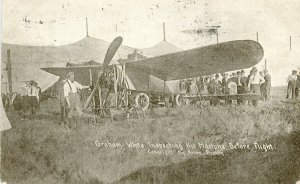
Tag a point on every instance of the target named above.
point(88, 101)
point(111, 51)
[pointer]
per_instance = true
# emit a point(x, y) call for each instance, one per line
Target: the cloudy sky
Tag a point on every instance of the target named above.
point(59, 22)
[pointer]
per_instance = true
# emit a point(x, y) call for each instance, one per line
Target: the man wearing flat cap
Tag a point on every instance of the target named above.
point(297, 90)
point(71, 89)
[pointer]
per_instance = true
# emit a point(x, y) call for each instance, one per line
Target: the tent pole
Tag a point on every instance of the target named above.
point(91, 77)
point(9, 71)
point(290, 42)
point(164, 31)
point(265, 64)
point(257, 36)
point(86, 26)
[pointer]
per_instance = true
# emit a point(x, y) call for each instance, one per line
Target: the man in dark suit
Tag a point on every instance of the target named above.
point(239, 86)
point(292, 83)
point(225, 83)
point(297, 90)
point(267, 85)
point(244, 82)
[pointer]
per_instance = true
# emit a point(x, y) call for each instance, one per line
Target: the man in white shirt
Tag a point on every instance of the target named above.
point(232, 86)
point(31, 89)
point(71, 89)
point(255, 81)
point(263, 85)
point(193, 87)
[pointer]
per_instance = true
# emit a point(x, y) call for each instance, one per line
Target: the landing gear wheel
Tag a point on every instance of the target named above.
point(179, 100)
point(142, 101)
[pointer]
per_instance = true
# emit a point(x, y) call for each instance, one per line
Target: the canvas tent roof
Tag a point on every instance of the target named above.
point(161, 48)
point(26, 61)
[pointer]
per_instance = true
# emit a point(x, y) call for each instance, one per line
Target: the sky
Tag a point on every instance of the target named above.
point(139, 22)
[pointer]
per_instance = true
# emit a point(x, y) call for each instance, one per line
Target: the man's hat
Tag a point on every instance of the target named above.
point(70, 74)
point(254, 69)
point(32, 82)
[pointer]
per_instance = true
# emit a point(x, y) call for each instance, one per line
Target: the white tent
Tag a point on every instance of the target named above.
point(26, 61)
point(161, 48)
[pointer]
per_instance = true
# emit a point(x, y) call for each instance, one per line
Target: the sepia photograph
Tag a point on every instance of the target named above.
point(150, 92)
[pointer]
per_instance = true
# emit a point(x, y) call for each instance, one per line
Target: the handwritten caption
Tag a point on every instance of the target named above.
point(185, 149)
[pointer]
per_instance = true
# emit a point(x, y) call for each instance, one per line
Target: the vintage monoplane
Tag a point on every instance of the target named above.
point(138, 81)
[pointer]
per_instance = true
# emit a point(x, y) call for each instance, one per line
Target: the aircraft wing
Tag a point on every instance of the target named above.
point(218, 58)
point(63, 71)
point(82, 73)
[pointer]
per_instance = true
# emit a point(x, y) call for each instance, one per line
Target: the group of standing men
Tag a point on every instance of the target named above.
point(293, 85)
point(32, 97)
point(234, 83)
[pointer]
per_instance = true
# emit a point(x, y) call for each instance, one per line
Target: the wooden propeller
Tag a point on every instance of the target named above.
point(112, 49)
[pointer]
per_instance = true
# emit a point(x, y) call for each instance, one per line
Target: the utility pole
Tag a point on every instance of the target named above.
point(8, 67)
point(257, 36)
point(216, 32)
point(290, 42)
point(265, 64)
point(164, 31)
point(86, 26)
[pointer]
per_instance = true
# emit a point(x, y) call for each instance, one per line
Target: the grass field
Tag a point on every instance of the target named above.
point(43, 150)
